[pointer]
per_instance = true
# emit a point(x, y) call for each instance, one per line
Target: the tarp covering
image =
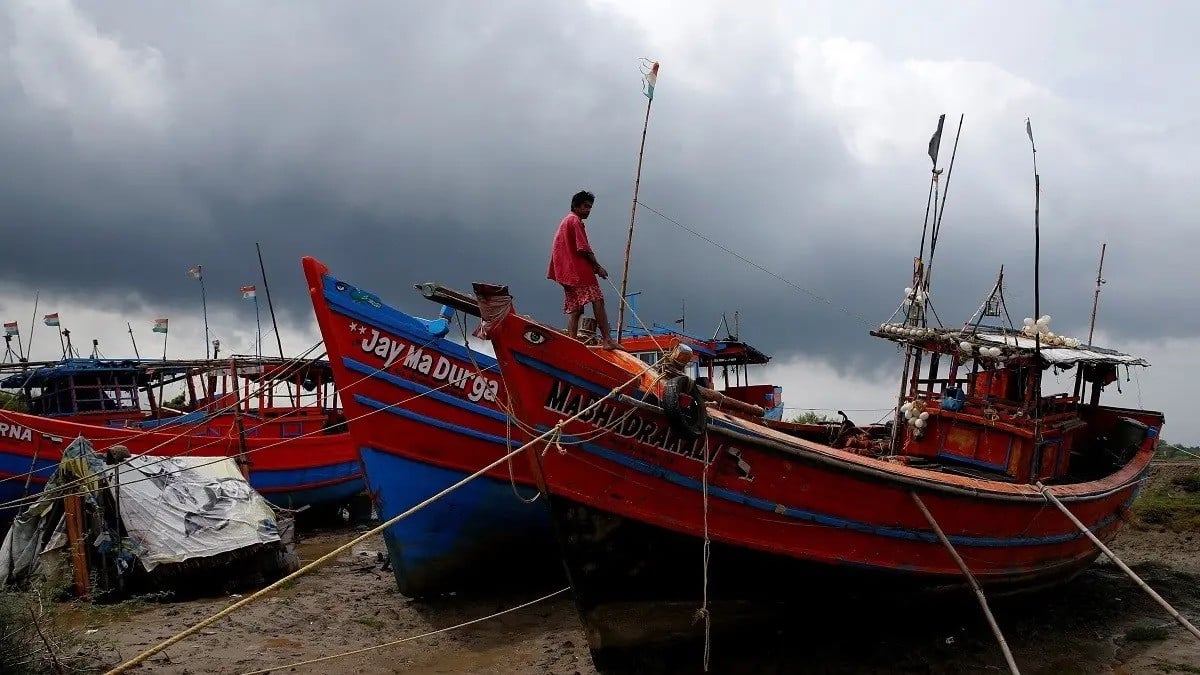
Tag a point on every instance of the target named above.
point(30, 534)
point(178, 508)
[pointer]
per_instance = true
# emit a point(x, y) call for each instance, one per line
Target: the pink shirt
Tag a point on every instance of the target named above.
point(567, 264)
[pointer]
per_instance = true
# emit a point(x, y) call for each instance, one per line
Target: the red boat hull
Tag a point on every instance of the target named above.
point(289, 471)
point(629, 501)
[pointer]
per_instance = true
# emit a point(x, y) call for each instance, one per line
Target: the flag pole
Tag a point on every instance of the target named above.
point(649, 79)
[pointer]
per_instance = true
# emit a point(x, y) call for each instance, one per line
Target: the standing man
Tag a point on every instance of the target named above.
point(573, 265)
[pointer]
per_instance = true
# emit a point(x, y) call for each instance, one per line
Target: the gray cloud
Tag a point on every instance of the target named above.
point(402, 143)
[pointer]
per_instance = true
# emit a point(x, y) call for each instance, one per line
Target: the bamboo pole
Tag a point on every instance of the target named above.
point(1124, 568)
point(1012, 665)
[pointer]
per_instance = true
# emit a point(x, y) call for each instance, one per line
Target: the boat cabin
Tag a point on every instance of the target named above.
point(973, 403)
point(93, 391)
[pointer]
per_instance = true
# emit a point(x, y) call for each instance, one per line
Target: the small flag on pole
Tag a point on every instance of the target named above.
point(248, 292)
point(10, 328)
point(160, 326)
point(194, 272)
point(649, 77)
point(51, 319)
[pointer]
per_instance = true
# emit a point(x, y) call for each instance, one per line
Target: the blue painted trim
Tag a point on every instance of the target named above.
point(441, 397)
point(1002, 468)
point(657, 471)
point(433, 422)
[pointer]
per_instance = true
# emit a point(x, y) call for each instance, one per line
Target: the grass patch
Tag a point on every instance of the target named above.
point(369, 622)
point(1174, 505)
point(1146, 634)
point(36, 638)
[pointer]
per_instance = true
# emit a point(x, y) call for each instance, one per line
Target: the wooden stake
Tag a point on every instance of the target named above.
point(73, 513)
point(1124, 568)
point(1012, 665)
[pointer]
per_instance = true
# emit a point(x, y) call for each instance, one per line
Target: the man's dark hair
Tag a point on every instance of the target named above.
point(582, 197)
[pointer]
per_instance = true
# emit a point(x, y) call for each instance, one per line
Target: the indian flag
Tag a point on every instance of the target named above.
point(10, 328)
point(248, 292)
point(160, 326)
point(649, 78)
point(194, 272)
point(51, 319)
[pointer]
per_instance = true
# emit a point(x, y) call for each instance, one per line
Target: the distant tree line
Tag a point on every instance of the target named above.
point(1177, 451)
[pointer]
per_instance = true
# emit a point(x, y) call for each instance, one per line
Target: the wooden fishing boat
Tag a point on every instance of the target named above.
point(426, 412)
point(296, 454)
point(641, 479)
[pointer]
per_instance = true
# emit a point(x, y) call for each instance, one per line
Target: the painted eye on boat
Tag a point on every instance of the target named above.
point(534, 337)
point(340, 286)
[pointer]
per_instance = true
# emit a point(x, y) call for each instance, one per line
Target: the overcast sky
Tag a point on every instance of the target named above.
point(405, 142)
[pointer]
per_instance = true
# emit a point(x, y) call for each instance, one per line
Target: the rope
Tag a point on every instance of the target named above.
point(746, 260)
point(556, 431)
point(293, 666)
point(170, 436)
point(16, 503)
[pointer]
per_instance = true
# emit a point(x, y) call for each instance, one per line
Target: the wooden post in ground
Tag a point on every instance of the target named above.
point(73, 514)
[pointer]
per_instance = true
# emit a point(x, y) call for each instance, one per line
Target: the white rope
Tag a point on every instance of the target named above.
point(546, 437)
point(293, 666)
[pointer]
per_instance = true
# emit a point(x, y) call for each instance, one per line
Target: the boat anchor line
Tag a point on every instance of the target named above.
point(546, 437)
point(17, 503)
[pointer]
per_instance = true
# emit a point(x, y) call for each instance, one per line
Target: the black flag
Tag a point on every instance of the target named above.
point(936, 141)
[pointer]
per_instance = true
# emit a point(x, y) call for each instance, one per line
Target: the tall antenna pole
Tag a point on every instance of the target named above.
point(649, 78)
point(1096, 298)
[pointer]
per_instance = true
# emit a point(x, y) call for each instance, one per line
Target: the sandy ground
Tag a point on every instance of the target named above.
point(1083, 627)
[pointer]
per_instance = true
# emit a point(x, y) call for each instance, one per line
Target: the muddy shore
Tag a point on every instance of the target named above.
point(1099, 623)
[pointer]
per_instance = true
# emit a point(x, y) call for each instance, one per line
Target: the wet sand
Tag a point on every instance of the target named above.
point(1099, 623)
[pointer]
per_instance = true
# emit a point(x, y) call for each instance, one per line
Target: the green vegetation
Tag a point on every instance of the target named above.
point(35, 636)
point(812, 417)
point(1173, 504)
point(1176, 451)
point(10, 402)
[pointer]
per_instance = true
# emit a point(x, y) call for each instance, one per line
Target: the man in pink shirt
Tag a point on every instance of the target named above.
point(573, 265)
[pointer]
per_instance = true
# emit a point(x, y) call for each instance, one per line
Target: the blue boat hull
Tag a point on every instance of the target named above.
point(479, 536)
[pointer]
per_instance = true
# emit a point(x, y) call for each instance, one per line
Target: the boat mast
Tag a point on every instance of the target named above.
point(917, 286)
point(1037, 310)
point(1096, 297)
point(649, 78)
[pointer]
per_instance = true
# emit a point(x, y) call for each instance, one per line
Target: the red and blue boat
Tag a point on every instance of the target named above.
point(425, 412)
point(641, 480)
point(296, 454)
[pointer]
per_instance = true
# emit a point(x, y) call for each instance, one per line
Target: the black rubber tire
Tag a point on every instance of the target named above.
point(691, 421)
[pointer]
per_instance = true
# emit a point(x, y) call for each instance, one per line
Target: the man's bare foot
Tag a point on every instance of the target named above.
point(612, 345)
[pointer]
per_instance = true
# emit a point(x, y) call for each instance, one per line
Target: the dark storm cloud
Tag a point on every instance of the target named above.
point(404, 143)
